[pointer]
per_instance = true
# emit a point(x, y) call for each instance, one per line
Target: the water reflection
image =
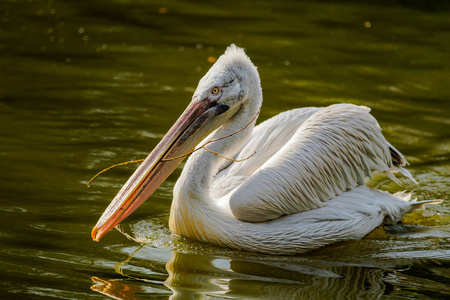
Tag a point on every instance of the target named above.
point(196, 276)
point(115, 289)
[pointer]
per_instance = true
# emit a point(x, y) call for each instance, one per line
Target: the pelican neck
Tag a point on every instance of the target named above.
point(202, 165)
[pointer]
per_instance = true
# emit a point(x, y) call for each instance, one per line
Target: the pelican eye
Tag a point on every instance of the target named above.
point(215, 90)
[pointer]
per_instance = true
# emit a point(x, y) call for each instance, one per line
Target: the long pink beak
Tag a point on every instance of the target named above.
point(191, 128)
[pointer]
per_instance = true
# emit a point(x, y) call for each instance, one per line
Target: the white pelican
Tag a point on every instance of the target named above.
point(303, 188)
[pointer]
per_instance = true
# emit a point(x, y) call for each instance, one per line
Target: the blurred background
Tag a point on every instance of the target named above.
point(88, 84)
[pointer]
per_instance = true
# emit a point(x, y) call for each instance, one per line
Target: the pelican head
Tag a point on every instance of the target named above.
point(221, 93)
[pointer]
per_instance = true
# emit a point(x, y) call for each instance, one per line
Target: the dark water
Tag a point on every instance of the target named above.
point(87, 84)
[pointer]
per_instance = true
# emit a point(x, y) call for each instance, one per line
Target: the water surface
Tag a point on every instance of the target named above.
point(87, 84)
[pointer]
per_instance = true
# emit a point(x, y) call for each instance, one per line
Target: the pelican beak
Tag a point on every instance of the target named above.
point(198, 120)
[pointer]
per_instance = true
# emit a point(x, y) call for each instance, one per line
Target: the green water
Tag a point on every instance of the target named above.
point(87, 84)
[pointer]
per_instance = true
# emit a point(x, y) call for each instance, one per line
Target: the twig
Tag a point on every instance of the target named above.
point(186, 154)
point(109, 168)
point(232, 159)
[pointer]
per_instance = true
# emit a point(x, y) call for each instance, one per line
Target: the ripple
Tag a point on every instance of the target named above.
point(14, 209)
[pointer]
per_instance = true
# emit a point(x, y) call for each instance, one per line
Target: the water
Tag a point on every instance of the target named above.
point(87, 84)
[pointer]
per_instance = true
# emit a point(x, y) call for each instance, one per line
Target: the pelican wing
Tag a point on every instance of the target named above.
point(266, 140)
point(306, 160)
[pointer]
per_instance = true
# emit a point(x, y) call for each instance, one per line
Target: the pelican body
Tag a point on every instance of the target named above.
point(296, 181)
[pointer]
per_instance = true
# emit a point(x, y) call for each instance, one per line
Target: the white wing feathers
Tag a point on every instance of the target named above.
point(266, 139)
point(326, 152)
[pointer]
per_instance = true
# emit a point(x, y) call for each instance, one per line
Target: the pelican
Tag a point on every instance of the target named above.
point(294, 183)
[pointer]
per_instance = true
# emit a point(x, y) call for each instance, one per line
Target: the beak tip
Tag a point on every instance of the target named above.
point(94, 234)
